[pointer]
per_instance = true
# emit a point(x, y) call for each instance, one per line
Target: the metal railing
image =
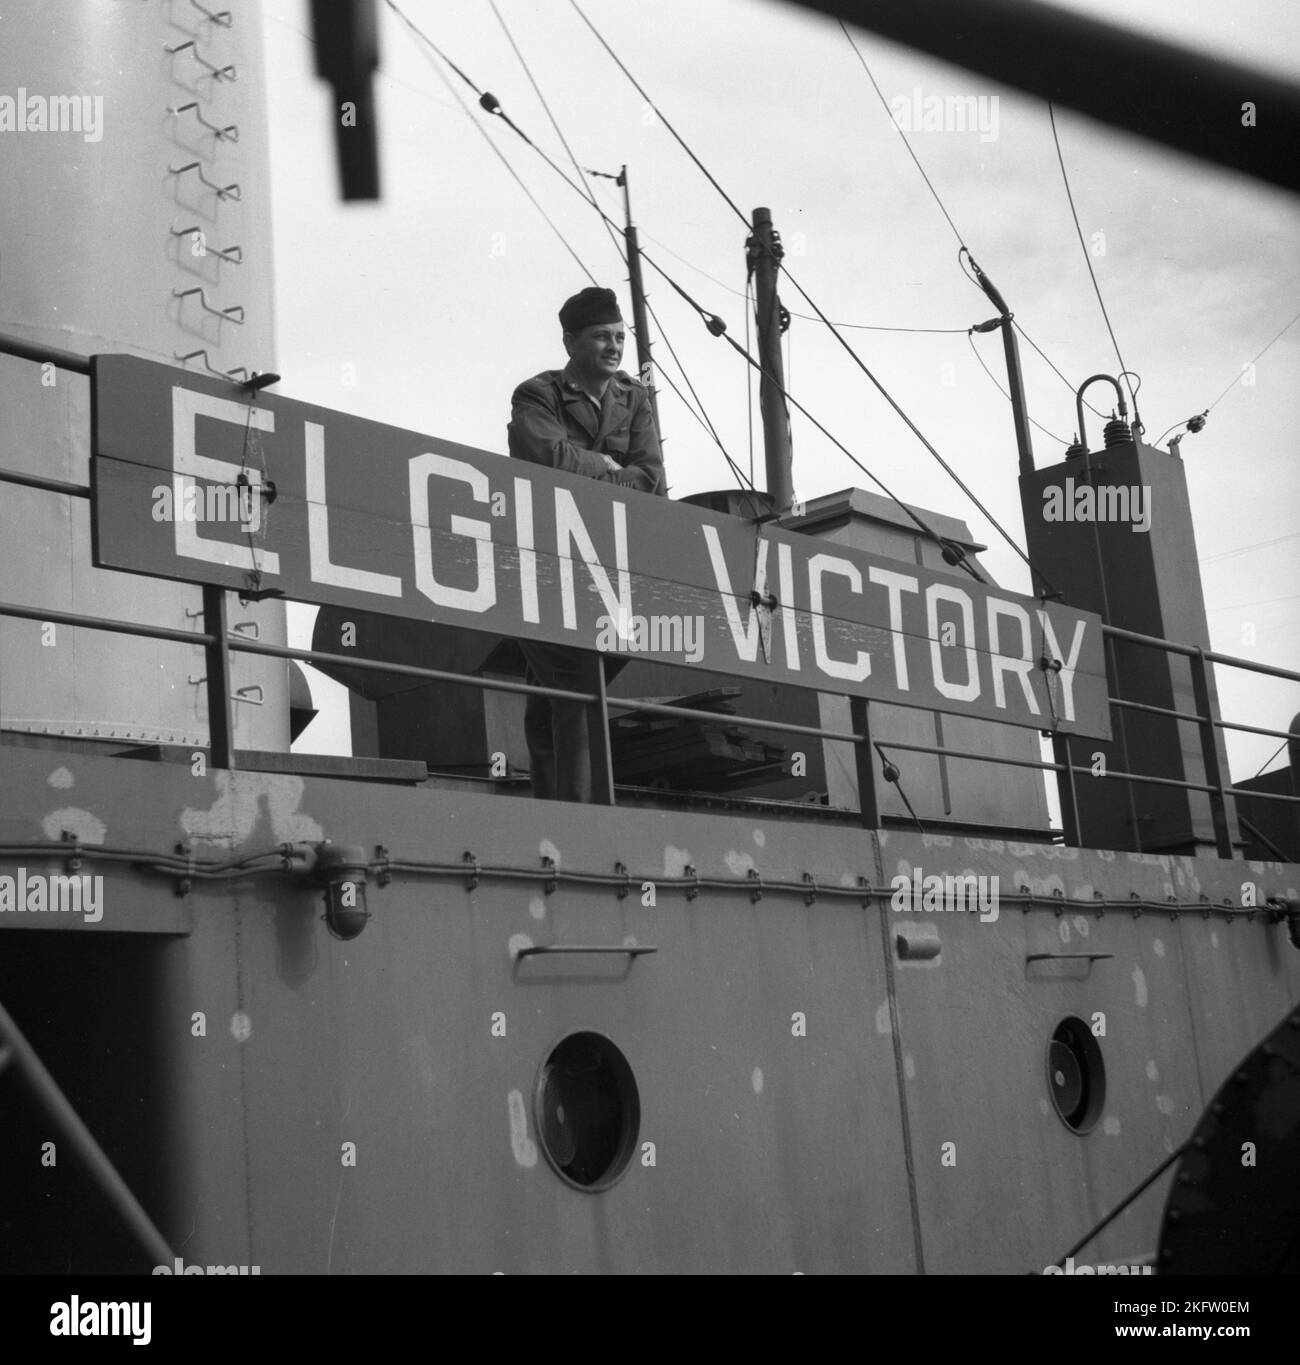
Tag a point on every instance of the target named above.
point(219, 642)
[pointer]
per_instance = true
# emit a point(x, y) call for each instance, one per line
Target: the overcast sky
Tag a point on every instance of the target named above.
point(426, 309)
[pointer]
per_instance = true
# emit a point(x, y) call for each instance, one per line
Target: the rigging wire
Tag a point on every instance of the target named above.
point(1004, 393)
point(1237, 376)
point(1247, 549)
point(492, 106)
point(1092, 275)
point(812, 303)
point(806, 317)
point(948, 547)
point(616, 239)
point(532, 199)
point(948, 217)
point(672, 351)
point(894, 123)
point(1072, 387)
point(953, 552)
point(559, 132)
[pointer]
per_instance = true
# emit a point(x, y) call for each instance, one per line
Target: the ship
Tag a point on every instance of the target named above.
point(820, 983)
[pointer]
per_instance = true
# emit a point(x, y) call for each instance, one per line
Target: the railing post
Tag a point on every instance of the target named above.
point(864, 758)
point(602, 759)
point(1069, 796)
point(1210, 754)
point(221, 719)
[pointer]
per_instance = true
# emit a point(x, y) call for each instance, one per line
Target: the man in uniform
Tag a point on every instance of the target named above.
point(589, 418)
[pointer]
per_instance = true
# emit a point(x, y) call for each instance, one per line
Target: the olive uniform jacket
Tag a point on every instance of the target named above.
point(554, 422)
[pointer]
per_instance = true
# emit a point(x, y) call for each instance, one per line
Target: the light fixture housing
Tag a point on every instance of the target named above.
point(343, 871)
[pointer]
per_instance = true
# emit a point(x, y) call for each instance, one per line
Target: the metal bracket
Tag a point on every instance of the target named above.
point(241, 694)
point(227, 313)
point(222, 17)
point(551, 882)
point(471, 881)
point(692, 892)
point(231, 191)
point(236, 376)
point(230, 133)
point(74, 856)
point(233, 254)
point(538, 950)
point(625, 889)
point(756, 886)
point(222, 73)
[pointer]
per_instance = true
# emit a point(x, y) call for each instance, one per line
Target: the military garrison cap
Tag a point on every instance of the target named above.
point(588, 308)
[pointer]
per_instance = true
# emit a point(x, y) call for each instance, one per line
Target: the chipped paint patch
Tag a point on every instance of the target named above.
point(936, 841)
point(1045, 1107)
point(81, 824)
point(524, 1148)
point(241, 1027)
point(986, 845)
point(1158, 947)
point(760, 838)
point(546, 849)
point(884, 1025)
point(909, 1067)
point(61, 779)
point(537, 908)
point(517, 943)
point(1107, 855)
point(1153, 1071)
point(237, 809)
point(1111, 1126)
point(1168, 1144)
point(1165, 1104)
point(1063, 928)
point(1214, 938)
point(739, 863)
point(676, 860)
point(1140, 987)
point(1081, 926)
point(756, 1080)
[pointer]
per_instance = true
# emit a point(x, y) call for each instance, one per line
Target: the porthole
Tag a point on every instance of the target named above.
point(588, 1113)
point(1076, 1075)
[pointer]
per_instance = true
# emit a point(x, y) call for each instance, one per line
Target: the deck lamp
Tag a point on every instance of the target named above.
point(342, 870)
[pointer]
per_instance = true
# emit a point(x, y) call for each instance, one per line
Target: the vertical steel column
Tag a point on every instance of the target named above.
point(1069, 797)
point(221, 718)
point(602, 759)
point(865, 760)
point(1210, 754)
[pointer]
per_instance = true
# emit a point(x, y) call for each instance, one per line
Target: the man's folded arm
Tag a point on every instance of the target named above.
point(537, 434)
point(644, 469)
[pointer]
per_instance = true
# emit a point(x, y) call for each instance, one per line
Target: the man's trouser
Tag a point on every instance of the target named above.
point(557, 731)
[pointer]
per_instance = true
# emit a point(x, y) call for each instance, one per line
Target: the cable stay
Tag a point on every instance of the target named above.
point(1092, 275)
point(975, 351)
point(812, 303)
point(514, 175)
